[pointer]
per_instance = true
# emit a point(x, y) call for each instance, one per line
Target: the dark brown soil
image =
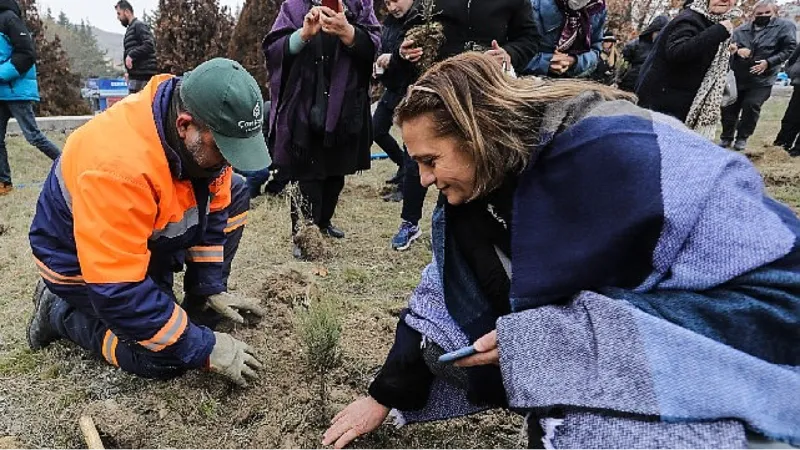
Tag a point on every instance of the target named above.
point(430, 38)
point(311, 242)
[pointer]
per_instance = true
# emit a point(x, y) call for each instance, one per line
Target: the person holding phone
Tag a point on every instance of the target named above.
point(319, 59)
point(502, 29)
point(673, 325)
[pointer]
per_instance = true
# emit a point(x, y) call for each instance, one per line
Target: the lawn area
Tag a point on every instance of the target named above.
point(43, 394)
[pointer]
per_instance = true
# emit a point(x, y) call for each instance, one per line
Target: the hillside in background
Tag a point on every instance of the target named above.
point(91, 52)
point(111, 43)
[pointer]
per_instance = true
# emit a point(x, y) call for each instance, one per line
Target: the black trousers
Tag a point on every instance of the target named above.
point(317, 201)
point(748, 103)
point(381, 124)
point(790, 124)
point(413, 192)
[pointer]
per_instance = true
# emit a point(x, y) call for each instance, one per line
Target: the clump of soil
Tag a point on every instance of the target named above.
point(4, 229)
point(311, 242)
point(289, 287)
point(429, 36)
point(308, 237)
point(118, 426)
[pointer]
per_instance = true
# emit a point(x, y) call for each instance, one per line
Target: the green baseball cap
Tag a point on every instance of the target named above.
point(221, 93)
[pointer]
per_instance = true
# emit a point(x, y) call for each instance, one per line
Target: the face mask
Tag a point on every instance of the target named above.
point(762, 21)
point(577, 4)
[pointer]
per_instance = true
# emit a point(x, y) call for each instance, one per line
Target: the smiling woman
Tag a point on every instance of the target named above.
point(602, 261)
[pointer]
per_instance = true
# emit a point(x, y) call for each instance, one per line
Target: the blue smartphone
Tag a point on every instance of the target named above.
point(457, 354)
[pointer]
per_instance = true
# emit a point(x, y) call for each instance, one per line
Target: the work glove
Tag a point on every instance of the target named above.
point(227, 304)
point(233, 359)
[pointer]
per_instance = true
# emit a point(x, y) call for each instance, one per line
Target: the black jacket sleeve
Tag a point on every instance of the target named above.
point(404, 381)
point(23, 55)
point(523, 37)
point(792, 59)
point(686, 42)
point(363, 48)
point(787, 41)
point(144, 37)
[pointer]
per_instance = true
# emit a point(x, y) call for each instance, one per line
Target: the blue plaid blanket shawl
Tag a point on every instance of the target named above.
point(682, 279)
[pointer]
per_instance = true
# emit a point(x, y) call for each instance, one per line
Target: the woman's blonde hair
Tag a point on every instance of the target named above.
point(496, 117)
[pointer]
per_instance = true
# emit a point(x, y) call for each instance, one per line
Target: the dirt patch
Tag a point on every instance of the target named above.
point(289, 287)
point(782, 175)
point(118, 426)
point(364, 191)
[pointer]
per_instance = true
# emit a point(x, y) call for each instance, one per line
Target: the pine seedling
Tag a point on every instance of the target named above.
point(320, 331)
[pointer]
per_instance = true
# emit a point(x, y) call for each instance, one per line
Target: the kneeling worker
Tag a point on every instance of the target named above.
point(140, 191)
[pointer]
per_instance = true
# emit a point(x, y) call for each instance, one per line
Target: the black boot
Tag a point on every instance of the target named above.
point(332, 231)
point(40, 332)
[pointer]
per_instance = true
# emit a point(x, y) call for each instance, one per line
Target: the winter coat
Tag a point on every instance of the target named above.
point(774, 43)
point(341, 144)
point(141, 47)
point(396, 77)
point(114, 214)
point(473, 25)
point(636, 52)
point(596, 299)
point(17, 56)
point(682, 56)
point(550, 21)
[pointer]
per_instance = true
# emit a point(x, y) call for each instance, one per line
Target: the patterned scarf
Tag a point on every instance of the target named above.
point(705, 110)
point(576, 35)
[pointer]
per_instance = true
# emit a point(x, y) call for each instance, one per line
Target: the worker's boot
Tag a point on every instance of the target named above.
point(40, 331)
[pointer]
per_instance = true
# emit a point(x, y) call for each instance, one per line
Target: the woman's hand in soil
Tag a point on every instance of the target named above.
point(499, 54)
point(311, 24)
point(336, 24)
point(357, 419)
point(409, 52)
point(486, 346)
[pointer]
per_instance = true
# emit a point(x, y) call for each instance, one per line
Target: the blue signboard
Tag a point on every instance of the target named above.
point(104, 92)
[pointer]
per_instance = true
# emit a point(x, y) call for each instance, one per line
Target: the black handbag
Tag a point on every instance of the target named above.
point(319, 110)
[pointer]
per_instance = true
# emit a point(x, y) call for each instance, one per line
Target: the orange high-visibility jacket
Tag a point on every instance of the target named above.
point(116, 217)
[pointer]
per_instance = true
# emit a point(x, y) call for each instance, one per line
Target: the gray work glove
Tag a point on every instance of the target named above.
point(227, 304)
point(233, 359)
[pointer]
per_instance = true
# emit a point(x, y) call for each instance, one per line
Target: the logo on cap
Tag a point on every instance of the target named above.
point(254, 125)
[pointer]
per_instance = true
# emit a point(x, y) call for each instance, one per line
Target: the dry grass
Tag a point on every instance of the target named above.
point(43, 394)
